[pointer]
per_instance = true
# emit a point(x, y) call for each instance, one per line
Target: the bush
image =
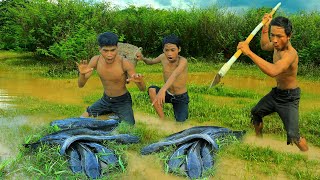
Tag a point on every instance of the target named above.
point(67, 30)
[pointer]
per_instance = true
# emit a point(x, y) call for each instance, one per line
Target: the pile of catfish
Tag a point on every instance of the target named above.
point(80, 140)
point(195, 148)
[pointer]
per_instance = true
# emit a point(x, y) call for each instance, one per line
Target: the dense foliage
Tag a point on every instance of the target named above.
point(67, 29)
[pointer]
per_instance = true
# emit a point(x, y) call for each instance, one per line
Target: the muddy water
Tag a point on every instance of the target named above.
point(5, 100)
point(257, 84)
point(147, 167)
point(310, 91)
point(62, 91)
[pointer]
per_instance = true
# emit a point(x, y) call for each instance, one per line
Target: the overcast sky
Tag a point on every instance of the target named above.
point(290, 6)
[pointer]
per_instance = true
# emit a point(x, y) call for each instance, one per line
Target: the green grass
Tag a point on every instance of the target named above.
point(48, 163)
point(269, 162)
point(220, 90)
point(222, 106)
point(12, 54)
point(39, 107)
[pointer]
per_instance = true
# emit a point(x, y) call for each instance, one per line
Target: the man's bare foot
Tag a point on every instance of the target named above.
point(258, 129)
point(302, 144)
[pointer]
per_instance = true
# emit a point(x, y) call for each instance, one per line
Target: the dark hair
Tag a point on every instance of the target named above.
point(284, 23)
point(172, 39)
point(108, 39)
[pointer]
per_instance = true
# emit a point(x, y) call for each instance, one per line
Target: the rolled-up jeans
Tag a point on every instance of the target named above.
point(179, 102)
point(120, 105)
point(286, 104)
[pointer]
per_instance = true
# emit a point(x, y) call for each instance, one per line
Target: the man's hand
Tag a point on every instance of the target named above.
point(267, 17)
point(83, 67)
point(244, 47)
point(160, 98)
point(135, 78)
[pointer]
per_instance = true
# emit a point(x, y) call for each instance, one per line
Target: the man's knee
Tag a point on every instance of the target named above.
point(152, 90)
point(256, 119)
point(181, 114)
point(125, 113)
point(181, 118)
point(254, 111)
point(129, 119)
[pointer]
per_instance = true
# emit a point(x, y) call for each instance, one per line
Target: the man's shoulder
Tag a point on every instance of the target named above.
point(126, 63)
point(162, 56)
point(123, 60)
point(94, 60)
point(183, 58)
point(292, 52)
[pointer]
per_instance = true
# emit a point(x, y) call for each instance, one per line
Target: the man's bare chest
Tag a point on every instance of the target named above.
point(114, 73)
point(277, 56)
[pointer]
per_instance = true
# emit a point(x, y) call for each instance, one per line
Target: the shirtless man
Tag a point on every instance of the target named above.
point(175, 74)
point(284, 98)
point(113, 71)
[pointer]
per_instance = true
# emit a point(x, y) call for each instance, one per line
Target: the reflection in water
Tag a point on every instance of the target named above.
point(237, 82)
point(54, 90)
point(5, 100)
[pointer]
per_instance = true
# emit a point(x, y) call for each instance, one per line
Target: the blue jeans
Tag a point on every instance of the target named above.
point(179, 102)
point(120, 105)
point(286, 104)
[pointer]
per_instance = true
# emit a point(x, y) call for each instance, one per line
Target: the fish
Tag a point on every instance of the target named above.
point(160, 145)
point(74, 160)
point(178, 157)
point(121, 138)
point(89, 161)
point(90, 123)
point(207, 156)
point(194, 161)
point(222, 134)
point(57, 138)
point(104, 154)
point(183, 167)
point(194, 130)
point(213, 131)
point(35, 145)
point(197, 147)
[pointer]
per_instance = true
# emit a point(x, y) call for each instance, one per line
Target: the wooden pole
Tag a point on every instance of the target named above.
point(225, 68)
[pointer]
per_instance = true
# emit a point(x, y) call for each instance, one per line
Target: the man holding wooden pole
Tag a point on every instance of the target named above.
point(284, 98)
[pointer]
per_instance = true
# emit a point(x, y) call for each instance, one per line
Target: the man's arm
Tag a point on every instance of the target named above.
point(181, 67)
point(160, 98)
point(139, 57)
point(265, 41)
point(133, 76)
point(270, 69)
